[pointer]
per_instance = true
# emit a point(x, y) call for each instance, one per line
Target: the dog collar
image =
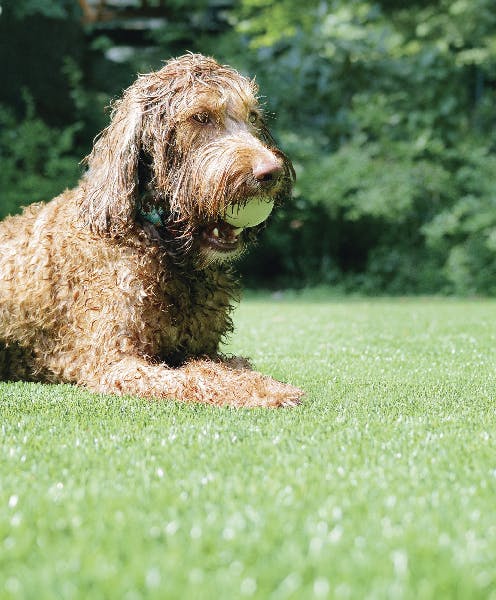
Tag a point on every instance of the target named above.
point(153, 216)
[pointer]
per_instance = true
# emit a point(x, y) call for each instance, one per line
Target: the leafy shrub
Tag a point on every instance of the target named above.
point(388, 112)
point(465, 230)
point(38, 162)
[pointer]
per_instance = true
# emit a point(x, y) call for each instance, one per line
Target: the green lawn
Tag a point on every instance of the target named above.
point(382, 484)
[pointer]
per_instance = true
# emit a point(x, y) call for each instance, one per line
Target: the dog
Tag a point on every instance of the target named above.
point(124, 284)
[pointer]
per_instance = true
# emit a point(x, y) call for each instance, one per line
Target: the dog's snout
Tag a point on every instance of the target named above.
point(267, 171)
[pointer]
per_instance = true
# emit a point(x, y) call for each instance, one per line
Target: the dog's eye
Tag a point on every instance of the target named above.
point(253, 117)
point(202, 118)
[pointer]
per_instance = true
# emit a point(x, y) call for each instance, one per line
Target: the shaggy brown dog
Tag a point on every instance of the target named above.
point(123, 284)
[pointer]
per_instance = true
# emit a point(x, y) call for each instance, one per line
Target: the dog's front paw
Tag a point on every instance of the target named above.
point(252, 389)
point(238, 363)
point(271, 393)
point(217, 383)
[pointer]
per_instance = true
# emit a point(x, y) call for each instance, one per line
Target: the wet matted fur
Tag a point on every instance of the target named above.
point(123, 284)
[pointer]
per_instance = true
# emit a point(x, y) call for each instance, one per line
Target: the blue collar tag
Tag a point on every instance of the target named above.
point(153, 216)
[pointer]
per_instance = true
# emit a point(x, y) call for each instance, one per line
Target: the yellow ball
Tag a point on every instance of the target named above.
point(254, 212)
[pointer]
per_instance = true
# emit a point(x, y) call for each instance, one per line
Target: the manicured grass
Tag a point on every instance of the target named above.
point(382, 484)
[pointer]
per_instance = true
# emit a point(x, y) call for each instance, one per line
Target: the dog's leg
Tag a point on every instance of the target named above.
point(204, 381)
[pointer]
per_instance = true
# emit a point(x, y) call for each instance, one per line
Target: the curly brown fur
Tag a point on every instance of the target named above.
point(123, 284)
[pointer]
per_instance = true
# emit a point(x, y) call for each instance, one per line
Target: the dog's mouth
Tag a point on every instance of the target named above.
point(221, 237)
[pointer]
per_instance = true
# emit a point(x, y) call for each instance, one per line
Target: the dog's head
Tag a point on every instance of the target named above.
point(189, 153)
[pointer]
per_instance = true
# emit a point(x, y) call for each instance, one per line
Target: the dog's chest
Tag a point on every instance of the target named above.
point(195, 315)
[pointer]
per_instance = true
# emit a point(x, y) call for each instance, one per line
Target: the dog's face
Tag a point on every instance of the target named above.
point(196, 136)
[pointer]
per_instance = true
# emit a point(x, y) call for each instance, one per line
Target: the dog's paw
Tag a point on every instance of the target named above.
point(271, 393)
point(251, 389)
point(238, 363)
point(218, 384)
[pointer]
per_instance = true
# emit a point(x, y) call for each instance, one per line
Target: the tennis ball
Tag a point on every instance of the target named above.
point(254, 212)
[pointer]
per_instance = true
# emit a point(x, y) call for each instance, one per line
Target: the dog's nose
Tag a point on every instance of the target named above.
point(267, 171)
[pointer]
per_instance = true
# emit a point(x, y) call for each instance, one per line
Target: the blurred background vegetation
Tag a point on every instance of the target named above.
point(387, 109)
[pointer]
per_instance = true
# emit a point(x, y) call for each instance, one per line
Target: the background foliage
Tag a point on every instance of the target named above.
point(387, 109)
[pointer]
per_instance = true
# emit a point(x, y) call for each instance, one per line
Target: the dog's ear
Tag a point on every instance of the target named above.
point(110, 185)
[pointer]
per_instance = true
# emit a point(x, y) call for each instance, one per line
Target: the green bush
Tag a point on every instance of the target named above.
point(38, 161)
point(465, 230)
point(388, 112)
